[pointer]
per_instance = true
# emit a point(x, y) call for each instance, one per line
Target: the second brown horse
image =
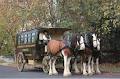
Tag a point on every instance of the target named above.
point(54, 49)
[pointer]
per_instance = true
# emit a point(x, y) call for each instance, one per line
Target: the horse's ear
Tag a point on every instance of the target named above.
point(93, 34)
point(96, 35)
point(81, 37)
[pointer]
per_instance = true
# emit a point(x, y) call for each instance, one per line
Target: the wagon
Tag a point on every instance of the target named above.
point(30, 47)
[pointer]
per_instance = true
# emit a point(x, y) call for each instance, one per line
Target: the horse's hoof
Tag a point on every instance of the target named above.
point(85, 74)
point(90, 74)
point(65, 75)
point(98, 72)
point(93, 72)
point(77, 72)
point(50, 73)
point(68, 74)
point(55, 73)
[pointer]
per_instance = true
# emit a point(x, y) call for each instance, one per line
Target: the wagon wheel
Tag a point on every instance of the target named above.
point(20, 61)
point(45, 64)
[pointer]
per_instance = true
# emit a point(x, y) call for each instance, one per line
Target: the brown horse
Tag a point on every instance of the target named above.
point(77, 45)
point(54, 49)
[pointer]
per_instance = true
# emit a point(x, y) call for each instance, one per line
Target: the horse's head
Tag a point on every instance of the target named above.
point(94, 39)
point(80, 43)
point(46, 37)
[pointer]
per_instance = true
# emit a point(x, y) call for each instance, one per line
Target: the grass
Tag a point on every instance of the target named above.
point(1, 61)
point(107, 67)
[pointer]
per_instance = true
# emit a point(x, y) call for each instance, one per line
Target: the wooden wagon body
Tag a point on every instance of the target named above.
point(30, 49)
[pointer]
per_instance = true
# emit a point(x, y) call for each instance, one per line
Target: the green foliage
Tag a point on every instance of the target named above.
point(7, 47)
point(80, 15)
point(66, 23)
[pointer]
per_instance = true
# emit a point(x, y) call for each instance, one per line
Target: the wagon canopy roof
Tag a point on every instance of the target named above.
point(52, 30)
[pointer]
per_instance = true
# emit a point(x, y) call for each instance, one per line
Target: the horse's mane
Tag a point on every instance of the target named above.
point(88, 39)
point(74, 39)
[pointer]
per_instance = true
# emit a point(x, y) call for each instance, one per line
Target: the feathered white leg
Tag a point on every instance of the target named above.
point(92, 67)
point(84, 69)
point(53, 67)
point(97, 66)
point(65, 64)
point(89, 65)
point(81, 66)
point(76, 67)
point(50, 65)
point(68, 66)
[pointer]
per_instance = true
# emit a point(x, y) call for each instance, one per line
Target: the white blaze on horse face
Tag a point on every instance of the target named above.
point(82, 45)
point(94, 40)
point(98, 44)
point(77, 43)
point(44, 37)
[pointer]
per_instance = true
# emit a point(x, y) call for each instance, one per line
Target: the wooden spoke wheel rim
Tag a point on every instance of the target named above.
point(45, 64)
point(20, 61)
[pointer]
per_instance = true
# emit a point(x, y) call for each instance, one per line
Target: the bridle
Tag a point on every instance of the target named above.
point(95, 40)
